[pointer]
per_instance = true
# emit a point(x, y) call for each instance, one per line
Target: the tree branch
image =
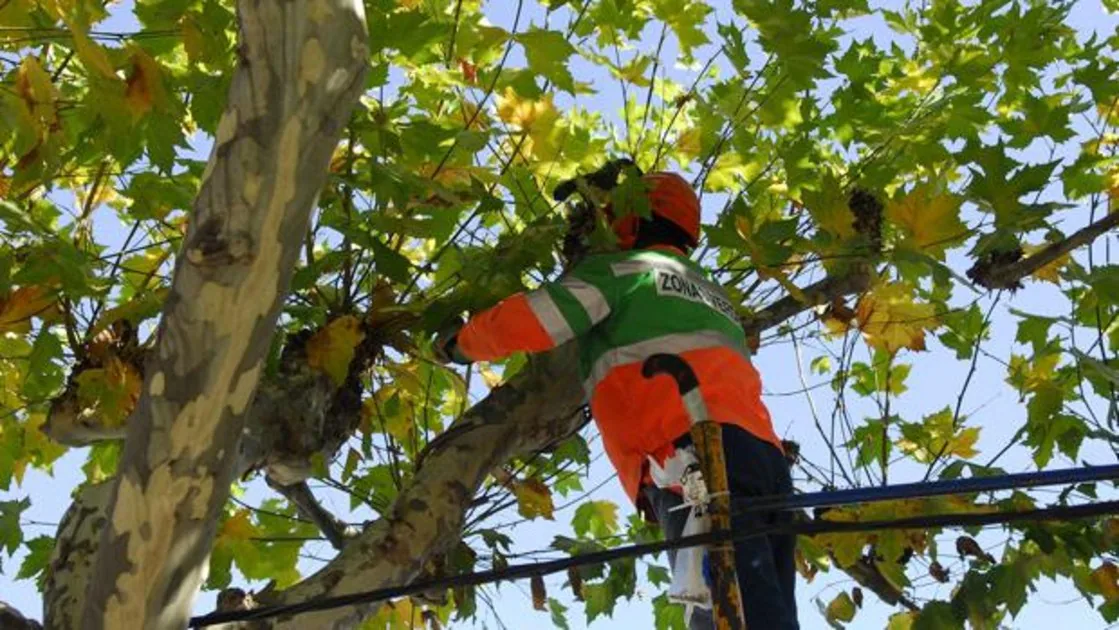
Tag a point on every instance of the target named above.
point(816, 294)
point(1007, 271)
point(11, 619)
point(309, 507)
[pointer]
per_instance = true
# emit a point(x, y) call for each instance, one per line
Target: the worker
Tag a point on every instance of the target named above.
point(623, 307)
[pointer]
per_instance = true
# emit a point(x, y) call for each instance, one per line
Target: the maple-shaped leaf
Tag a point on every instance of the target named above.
point(234, 543)
point(829, 208)
point(144, 85)
point(890, 318)
point(938, 436)
point(111, 390)
point(1106, 579)
point(536, 118)
point(19, 306)
point(533, 499)
point(930, 218)
point(331, 349)
point(547, 53)
point(93, 56)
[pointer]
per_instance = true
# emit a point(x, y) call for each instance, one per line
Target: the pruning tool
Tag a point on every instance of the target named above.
point(707, 437)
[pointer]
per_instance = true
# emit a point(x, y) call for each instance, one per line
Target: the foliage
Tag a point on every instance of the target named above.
point(987, 129)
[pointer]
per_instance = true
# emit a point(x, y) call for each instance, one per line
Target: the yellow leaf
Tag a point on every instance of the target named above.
point(941, 438)
point(111, 390)
point(192, 38)
point(533, 499)
point(901, 621)
point(19, 306)
point(491, 378)
point(1113, 190)
point(829, 209)
point(537, 119)
point(1050, 272)
point(729, 171)
point(144, 86)
point(38, 93)
point(331, 349)
point(687, 143)
point(890, 318)
point(237, 528)
point(1106, 578)
point(930, 217)
point(94, 56)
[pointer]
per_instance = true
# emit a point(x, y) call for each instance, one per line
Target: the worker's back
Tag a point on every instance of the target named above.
point(659, 301)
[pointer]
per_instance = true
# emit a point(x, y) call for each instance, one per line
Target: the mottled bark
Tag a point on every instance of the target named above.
point(534, 409)
point(71, 565)
point(301, 69)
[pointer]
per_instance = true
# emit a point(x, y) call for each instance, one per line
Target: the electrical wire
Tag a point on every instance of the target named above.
point(521, 571)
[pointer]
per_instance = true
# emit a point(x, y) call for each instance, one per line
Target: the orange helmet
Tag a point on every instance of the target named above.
point(670, 197)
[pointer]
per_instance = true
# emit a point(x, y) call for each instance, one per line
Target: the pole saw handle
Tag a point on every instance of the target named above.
point(675, 367)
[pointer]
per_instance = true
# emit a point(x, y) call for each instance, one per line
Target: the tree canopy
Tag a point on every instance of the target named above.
point(920, 196)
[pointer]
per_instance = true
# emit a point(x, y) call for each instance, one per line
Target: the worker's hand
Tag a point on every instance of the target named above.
point(446, 344)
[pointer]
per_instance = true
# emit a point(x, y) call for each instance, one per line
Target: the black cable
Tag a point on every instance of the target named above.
point(521, 571)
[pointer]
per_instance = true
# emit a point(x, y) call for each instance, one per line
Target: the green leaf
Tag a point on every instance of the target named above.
point(391, 263)
point(687, 19)
point(11, 534)
point(840, 609)
point(937, 615)
point(658, 575)
point(667, 615)
point(597, 518)
point(547, 53)
point(600, 600)
point(38, 557)
point(558, 613)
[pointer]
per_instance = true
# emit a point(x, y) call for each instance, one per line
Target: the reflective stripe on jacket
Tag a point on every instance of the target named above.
point(624, 307)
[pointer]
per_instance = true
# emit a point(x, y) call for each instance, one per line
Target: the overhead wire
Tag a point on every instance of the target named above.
point(527, 570)
point(813, 527)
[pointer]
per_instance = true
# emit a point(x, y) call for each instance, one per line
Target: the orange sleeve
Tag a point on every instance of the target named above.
point(510, 326)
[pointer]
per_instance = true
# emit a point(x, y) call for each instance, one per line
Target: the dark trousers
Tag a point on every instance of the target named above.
point(765, 564)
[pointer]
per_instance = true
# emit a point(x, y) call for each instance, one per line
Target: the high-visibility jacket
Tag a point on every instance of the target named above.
point(624, 307)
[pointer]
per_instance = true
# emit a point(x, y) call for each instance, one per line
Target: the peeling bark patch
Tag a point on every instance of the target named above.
point(157, 383)
point(319, 11)
point(227, 126)
point(311, 65)
point(243, 390)
point(251, 190)
point(136, 507)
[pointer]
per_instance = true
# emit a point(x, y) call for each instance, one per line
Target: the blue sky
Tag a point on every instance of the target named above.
point(934, 382)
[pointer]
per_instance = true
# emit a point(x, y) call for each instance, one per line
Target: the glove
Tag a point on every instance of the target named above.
point(446, 344)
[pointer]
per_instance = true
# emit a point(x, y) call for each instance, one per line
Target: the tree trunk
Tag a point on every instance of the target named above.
point(302, 68)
